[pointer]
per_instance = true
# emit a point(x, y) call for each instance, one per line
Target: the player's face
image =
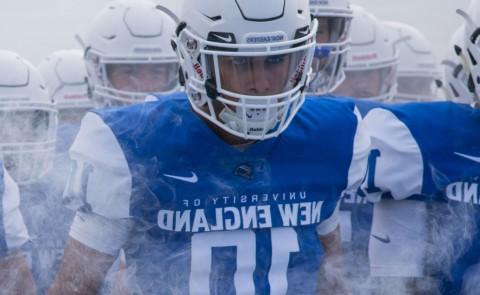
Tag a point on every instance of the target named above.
point(23, 126)
point(361, 84)
point(257, 76)
point(323, 32)
point(147, 78)
point(323, 36)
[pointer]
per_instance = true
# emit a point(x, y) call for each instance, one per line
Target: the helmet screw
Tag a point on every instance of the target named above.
point(192, 44)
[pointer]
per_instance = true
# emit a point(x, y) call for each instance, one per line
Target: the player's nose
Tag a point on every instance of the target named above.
point(261, 79)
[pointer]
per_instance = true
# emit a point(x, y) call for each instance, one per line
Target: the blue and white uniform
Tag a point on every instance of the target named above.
point(199, 216)
point(429, 152)
point(355, 217)
point(13, 232)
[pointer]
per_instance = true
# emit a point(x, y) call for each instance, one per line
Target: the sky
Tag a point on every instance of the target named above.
point(37, 28)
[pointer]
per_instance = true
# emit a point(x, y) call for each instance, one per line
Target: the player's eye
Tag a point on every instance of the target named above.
point(239, 60)
point(129, 70)
point(275, 59)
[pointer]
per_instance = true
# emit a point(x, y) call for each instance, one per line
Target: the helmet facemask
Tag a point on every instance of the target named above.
point(329, 59)
point(27, 142)
point(414, 87)
point(373, 83)
point(122, 81)
point(458, 84)
point(250, 90)
point(473, 61)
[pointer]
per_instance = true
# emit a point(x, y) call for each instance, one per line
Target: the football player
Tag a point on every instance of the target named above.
point(27, 144)
point(429, 152)
point(15, 275)
point(232, 189)
point(65, 75)
point(371, 65)
point(370, 45)
point(128, 53)
point(334, 18)
point(390, 261)
point(418, 68)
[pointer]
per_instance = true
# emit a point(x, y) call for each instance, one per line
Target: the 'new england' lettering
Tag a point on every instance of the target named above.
point(467, 192)
point(225, 215)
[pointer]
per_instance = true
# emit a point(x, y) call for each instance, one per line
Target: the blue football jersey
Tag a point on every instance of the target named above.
point(431, 152)
point(212, 218)
point(355, 216)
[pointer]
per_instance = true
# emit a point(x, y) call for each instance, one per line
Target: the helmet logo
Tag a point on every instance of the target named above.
point(365, 57)
point(265, 38)
point(147, 50)
point(221, 37)
point(198, 69)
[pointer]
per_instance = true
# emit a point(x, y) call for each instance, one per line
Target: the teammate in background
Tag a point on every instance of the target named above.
point(371, 66)
point(371, 60)
point(391, 261)
point(27, 144)
point(128, 53)
point(334, 18)
point(418, 67)
point(15, 275)
point(456, 83)
point(65, 75)
point(430, 152)
point(201, 191)
point(29, 120)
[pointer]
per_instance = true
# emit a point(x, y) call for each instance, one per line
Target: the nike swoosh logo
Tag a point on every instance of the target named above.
point(191, 179)
point(228, 39)
point(383, 240)
point(471, 158)
point(305, 32)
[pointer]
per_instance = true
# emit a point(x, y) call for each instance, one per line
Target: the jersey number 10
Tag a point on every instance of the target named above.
point(284, 242)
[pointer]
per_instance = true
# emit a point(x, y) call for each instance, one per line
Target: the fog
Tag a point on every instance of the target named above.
point(37, 28)
point(436, 19)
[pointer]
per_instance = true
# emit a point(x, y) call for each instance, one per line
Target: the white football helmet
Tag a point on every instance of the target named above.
point(65, 74)
point(418, 68)
point(28, 119)
point(131, 38)
point(471, 50)
point(457, 83)
point(246, 63)
point(334, 18)
point(371, 67)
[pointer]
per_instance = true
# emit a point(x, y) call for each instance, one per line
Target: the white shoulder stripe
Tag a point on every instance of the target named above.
point(109, 185)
